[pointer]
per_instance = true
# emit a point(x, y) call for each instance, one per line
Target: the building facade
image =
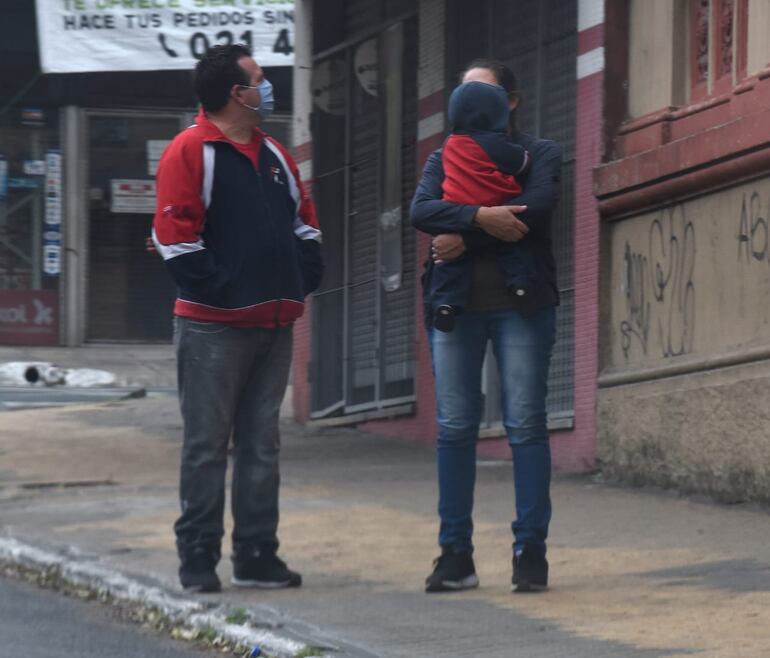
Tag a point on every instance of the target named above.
point(78, 153)
point(371, 84)
point(683, 191)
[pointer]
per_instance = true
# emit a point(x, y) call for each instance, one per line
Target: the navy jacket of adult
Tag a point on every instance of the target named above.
point(432, 215)
point(242, 242)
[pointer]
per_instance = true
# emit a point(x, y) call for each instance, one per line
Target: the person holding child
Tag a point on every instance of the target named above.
point(520, 322)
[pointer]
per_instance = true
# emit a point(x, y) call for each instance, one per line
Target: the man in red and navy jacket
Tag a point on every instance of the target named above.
point(240, 238)
point(236, 228)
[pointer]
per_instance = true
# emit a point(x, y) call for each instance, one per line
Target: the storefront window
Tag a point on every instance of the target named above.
point(31, 210)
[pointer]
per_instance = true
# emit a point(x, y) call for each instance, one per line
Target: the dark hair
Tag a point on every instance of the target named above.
point(216, 73)
point(505, 77)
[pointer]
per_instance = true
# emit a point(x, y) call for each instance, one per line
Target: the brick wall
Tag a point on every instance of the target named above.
point(575, 450)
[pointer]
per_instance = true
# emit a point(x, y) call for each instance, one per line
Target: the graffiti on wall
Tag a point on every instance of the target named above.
point(635, 286)
point(658, 286)
point(753, 235)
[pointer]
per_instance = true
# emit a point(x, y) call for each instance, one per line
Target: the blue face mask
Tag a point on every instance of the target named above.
point(265, 89)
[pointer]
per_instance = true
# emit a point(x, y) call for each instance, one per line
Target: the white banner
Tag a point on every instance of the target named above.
point(147, 35)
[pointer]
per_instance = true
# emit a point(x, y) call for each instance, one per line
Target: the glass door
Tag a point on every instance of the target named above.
point(130, 293)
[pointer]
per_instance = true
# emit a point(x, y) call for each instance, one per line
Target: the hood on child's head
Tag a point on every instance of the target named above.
point(475, 106)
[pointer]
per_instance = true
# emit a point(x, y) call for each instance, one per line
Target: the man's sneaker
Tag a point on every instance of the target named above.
point(530, 571)
point(197, 571)
point(452, 571)
point(264, 569)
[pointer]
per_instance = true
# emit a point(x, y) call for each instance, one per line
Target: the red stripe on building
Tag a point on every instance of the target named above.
point(303, 152)
point(429, 105)
point(425, 147)
point(590, 39)
point(576, 450)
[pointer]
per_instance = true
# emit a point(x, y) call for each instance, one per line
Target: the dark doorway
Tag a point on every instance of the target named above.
point(130, 294)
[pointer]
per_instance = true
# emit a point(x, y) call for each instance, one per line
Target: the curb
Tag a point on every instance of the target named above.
point(37, 397)
point(76, 571)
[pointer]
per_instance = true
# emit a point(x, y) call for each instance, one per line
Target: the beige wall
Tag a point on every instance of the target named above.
point(759, 35)
point(655, 55)
point(703, 432)
point(684, 396)
point(691, 280)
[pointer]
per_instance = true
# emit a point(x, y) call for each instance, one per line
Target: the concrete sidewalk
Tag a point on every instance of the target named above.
point(635, 573)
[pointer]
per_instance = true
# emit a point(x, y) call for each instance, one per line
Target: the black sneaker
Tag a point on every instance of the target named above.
point(197, 572)
point(264, 569)
point(530, 571)
point(444, 318)
point(452, 571)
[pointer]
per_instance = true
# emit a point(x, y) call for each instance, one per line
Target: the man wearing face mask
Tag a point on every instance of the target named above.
point(240, 238)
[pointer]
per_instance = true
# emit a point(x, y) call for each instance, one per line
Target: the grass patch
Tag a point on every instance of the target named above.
point(237, 616)
point(208, 634)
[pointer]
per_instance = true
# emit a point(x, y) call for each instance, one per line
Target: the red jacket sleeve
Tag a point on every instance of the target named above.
point(180, 214)
point(179, 208)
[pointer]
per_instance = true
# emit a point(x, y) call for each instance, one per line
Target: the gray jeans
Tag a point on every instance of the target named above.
point(231, 383)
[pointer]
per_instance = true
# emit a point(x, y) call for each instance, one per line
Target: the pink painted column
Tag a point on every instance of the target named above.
point(576, 450)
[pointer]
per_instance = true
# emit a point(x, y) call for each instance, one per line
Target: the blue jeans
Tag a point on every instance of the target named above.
point(231, 384)
point(522, 346)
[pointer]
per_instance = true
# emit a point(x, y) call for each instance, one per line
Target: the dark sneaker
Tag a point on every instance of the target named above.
point(197, 572)
point(264, 569)
point(444, 319)
point(452, 571)
point(530, 571)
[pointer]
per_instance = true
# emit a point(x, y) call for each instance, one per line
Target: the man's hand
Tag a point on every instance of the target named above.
point(501, 222)
point(447, 246)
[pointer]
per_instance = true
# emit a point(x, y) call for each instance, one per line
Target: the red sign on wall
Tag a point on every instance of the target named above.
point(29, 317)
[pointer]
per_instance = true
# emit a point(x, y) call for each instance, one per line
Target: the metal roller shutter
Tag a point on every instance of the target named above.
point(363, 335)
point(398, 306)
point(363, 313)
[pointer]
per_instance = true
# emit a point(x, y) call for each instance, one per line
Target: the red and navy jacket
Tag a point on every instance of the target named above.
point(241, 242)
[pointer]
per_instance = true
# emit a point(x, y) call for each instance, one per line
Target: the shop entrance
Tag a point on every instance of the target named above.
point(130, 293)
point(30, 226)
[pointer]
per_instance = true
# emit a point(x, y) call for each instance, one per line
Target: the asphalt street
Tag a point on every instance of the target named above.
point(37, 623)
